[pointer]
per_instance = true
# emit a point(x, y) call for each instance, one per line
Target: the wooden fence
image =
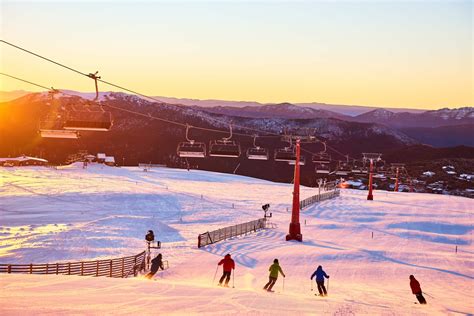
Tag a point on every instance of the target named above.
point(114, 268)
point(319, 197)
point(230, 231)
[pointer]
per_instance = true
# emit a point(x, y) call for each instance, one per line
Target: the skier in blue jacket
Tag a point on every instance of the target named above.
point(320, 275)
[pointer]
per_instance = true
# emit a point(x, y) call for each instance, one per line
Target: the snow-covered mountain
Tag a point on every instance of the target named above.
point(282, 110)
point(347, 110)
point(434, 118)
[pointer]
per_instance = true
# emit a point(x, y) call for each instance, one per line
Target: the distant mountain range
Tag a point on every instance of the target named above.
point(135, 138)
point(349, 110)
point(440, 128)
point(432, 119)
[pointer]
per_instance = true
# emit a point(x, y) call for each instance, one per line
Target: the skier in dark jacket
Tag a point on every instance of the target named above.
point(156, 263)
point(228, 265)
point(320, 275)
point(416, 289)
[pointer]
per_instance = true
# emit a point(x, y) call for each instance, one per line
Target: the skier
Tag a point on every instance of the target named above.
point(156, 263)
point(320, 274)
point(416, 289)
point(228, 265)
point(274, 269)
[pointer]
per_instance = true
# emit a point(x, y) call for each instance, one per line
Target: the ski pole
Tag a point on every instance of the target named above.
point(214, 279)
point(328, 286)
point(283, 285)
point(311, 284)
point(233, 278)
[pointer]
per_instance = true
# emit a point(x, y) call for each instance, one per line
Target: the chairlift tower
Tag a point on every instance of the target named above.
point(372, 157)
point(295, 227)
point(398, 167)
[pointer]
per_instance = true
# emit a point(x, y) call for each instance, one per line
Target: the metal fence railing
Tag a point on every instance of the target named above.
point(319, 197)
point(230, 231)
point(114, 268)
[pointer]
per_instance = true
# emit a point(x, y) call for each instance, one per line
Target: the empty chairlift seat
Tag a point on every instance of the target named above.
point(257, 153)
point(322, 168)
point(302, 161)
point(343, 169)
point(356, 168)
point(224, 148)
point(191, 150)
point(322, 158)
point(286, 154)
point(97, 121)
point(51, 133)
point(54, 128)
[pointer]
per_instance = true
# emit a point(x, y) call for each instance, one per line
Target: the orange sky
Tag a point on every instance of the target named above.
point(396, 54)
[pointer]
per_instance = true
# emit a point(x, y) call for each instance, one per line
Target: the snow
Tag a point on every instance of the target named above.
point(23, 158)
point(49, 215)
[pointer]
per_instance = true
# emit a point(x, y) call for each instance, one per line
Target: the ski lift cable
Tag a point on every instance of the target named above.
point(96, 78)
point(151, 98)
point(159, 118)
point(141, 94)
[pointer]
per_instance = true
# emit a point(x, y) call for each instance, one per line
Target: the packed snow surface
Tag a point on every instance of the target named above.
point(68, 214)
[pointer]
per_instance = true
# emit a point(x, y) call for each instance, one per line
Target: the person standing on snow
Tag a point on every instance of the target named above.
point(320, 275)
point(228, 265)
point(416, 289)
point(274, 270)
point(156, 263)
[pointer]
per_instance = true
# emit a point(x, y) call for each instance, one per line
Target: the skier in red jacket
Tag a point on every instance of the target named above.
point(228, 266)
point(416, 289)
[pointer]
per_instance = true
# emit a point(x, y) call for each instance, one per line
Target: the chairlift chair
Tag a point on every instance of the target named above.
point(54, 128)
point(286, 154)
point(59, 133)
point(302, 161)
point(97, 121)
point(53, 125)
point(356, 168)
point(225, 147)
point(257, 152)
point(190, 148)
point(322, 168)
point(321, 158)
point(343, 168)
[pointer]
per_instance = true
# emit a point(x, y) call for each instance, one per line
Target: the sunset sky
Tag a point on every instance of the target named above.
point(380, 53)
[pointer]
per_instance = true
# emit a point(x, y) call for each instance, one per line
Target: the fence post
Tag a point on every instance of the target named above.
point(123, 267)
point(69, 268)
point(57, 268)
point(97, 269)
point(9, 269)
point(82, 268)
point(31, 268)
point(47, 268)
point(110, 268)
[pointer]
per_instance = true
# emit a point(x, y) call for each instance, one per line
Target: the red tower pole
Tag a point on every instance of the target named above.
point(295, 228)
point(396, 182)
point(370, 196)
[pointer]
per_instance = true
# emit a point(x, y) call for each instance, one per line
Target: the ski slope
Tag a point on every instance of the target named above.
point(49, 215)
